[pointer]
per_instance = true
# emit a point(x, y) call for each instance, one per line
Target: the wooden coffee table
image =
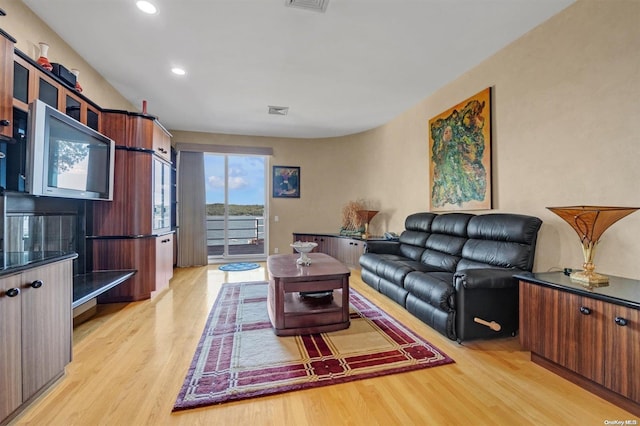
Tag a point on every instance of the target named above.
point(292, 313)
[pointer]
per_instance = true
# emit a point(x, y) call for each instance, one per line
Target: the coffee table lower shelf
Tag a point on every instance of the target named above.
point(306, 315)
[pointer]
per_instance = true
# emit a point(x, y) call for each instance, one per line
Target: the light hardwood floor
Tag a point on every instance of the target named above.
point(129, 363)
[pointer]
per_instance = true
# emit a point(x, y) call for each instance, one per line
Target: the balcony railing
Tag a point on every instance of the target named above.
point(245, 235)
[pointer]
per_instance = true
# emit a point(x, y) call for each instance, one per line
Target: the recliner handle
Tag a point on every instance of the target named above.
point(491, 324)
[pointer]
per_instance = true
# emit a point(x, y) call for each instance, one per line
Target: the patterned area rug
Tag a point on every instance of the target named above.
point(240, 357)
point(240, 266)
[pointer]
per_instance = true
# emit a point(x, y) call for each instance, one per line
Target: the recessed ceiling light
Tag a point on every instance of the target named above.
point(178, 71)
point(146, 7)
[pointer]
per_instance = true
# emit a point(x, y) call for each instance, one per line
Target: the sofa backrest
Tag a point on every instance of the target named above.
point(500, 240)
point(417, 229)
point(443, 248)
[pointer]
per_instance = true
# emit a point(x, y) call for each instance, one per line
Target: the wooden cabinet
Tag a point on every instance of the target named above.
point(11, 348)
point(32, 82)
point(6, 87)
point(134, 230)
point(35, 330)
point(321, 240)
point(146, 132)
point(164, 264)
point(345, 249)
point(150, 256)
point(586, 337)
point(350, 250)
point(622, 350)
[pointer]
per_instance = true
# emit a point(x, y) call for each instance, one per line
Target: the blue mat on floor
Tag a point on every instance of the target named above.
point(241, 266)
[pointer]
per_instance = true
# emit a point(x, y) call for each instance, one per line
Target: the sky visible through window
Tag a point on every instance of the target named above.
point(246, 179)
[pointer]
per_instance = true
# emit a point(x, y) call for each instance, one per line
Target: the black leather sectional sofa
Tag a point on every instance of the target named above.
point(455, 271)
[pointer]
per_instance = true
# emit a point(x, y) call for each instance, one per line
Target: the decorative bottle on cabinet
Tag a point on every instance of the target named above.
point(43, 60)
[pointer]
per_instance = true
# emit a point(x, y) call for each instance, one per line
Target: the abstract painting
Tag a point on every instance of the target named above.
point(460, 155)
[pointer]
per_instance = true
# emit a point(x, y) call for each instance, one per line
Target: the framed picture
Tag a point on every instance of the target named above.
point(286, 182)
point(460, 155)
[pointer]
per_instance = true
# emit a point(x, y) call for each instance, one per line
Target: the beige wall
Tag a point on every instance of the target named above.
point(29, 30)
point(329, 178)
point(566, 99)
point(566, 102)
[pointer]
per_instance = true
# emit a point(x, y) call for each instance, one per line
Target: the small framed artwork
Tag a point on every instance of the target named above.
point(286, 182)
point(460, 155)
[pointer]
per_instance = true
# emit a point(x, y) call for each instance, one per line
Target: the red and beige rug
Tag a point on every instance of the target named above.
point(240, 357)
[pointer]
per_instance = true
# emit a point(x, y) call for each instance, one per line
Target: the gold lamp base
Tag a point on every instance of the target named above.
point(590, 278)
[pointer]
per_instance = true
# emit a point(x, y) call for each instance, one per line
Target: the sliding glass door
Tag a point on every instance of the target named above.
point(236, 208)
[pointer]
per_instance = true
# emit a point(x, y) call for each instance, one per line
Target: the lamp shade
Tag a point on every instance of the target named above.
point(590, 222)
point(367, 215)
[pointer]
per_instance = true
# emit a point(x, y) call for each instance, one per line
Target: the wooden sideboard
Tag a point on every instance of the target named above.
point(588, 336)
point(346, 249)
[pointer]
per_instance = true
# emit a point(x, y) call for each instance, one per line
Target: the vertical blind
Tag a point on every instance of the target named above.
point(192, 235)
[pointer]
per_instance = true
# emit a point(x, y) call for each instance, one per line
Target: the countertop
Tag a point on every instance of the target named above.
point(337, 235)
point(619, 291)
point(16, 262)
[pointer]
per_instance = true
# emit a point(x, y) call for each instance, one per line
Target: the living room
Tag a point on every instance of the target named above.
point(564, 97)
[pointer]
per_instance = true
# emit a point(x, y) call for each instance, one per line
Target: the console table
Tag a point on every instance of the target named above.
point(590, 336)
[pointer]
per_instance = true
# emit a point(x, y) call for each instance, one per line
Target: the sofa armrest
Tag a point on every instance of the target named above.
point(383, 247)
point(486, 278)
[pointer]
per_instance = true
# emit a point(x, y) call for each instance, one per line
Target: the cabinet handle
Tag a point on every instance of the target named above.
point(37, 284)
point(585, 311)
point(621, 321)
point(5, 123)
point(13, 292)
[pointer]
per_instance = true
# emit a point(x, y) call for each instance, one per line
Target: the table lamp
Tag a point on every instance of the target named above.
point(366, 216)
point(590, 222)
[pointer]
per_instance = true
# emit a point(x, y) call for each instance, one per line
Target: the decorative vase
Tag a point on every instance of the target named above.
point(43, 60)
point(77, 74)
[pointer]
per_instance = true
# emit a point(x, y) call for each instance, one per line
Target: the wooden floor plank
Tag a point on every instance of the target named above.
point(131, 359)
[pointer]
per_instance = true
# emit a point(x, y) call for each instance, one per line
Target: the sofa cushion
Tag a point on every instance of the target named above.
point(439, 320)
point(500, 240)
point(419, 221)
point(451, 224)
point(435, 288)
point(414, 247)
point(412, 240)
point(443, 252)
point(389, 267)
point(443, 247)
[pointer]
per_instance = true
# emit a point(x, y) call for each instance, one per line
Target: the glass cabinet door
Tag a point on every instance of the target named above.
point(161, 195)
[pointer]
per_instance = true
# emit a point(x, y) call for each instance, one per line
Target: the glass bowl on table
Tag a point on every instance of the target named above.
point(304, 247)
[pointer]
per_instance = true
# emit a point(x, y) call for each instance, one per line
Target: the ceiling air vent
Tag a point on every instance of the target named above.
point(278, 110)
point(317, 5)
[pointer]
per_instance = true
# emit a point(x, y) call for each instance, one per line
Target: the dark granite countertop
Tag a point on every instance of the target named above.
point(16, 262)
point(338, 235)
point(93, 284)
point(619, 291)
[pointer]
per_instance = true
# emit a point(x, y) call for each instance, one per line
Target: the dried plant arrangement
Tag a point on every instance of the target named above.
point(352, 219)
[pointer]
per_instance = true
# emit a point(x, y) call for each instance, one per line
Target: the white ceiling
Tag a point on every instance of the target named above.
point(349, 69)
